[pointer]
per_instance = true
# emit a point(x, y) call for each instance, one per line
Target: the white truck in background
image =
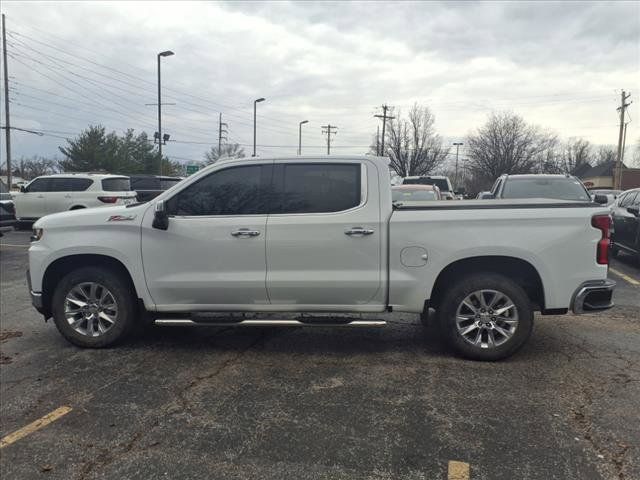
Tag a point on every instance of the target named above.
point(314, 236)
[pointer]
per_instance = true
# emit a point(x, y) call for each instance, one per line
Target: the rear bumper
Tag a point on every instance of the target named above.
point(593, 296)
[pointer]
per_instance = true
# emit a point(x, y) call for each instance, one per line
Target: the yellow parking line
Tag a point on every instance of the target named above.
point(33, 426)
point(458, 470)
point(629, 279)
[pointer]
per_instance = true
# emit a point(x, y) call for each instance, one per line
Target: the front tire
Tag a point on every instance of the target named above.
point(485, 316)
point(93, 307)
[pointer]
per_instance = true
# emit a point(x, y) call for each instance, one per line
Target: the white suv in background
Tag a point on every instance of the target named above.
point(71, 191)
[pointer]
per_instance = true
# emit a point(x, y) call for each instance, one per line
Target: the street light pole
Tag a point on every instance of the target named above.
point(254, 124)
point(166, 53)
point(455, 178)
point(300, 136)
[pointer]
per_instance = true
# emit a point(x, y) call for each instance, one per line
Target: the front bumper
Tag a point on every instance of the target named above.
point(36, 297)
point(593, 296)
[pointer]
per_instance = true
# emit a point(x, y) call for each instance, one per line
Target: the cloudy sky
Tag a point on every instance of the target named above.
point(559, 65)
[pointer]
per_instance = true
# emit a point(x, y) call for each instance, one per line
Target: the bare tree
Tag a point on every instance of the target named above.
point(507, 144)
point(413, 145)
point(575, 153)
point(37, 166)
point(231, 150)
point(606, 154)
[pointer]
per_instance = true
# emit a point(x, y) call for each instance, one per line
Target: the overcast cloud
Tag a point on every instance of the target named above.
point(559, 65)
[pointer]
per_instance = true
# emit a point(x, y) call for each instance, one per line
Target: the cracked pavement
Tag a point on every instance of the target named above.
point(273, 403)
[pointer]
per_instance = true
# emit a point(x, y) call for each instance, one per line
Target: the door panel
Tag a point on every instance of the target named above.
point(31, 203)
point(318, 257)
point(213, 254)
point(59, 195)
point(198, 261)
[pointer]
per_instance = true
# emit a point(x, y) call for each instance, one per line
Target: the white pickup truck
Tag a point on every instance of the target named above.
point(242, 240)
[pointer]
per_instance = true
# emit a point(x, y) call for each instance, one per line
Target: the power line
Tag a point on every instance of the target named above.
point(48, 45)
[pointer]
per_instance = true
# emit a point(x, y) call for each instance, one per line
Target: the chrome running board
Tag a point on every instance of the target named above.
point(271, 323)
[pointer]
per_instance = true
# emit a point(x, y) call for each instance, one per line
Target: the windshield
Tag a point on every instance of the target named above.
point(561, 188)
point(119, 184)
point(441, 183)
point(400, 195)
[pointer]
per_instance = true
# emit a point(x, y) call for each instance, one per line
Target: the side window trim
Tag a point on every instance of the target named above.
point(278, 182)
point(269, 182)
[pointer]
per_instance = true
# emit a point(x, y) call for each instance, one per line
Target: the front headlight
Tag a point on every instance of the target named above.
point(37, 234)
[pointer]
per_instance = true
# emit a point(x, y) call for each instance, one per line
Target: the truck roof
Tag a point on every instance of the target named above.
point(383, 162)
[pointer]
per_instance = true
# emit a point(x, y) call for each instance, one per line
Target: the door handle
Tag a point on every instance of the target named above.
point(40, 196)
point(245, 233)
point(358, 231)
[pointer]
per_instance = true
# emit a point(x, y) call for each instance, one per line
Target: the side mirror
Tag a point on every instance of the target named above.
point(601, 199)
point(23, 189)
point(160, 217)
point(634, 210)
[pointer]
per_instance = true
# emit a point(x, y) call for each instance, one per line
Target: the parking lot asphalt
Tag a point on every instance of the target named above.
point(276, 403)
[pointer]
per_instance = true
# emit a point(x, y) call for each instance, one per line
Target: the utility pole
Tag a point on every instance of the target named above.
point(455, 178)
point(617, 171)
point(328, 130)
point(6, 102)
point(384, 118)
point(220, 132)
point(378, 141)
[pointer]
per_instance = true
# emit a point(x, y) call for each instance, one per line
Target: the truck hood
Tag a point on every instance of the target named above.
point(99, 216)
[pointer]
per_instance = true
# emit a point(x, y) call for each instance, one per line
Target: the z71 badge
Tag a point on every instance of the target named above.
point(121, 218)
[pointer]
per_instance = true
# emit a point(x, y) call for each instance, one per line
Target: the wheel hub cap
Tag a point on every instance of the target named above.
point(486, 318)
point(90, 309)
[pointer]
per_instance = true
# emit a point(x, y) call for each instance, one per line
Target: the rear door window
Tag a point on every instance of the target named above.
point(118, 184)
point(317, 187)
point(80, 184)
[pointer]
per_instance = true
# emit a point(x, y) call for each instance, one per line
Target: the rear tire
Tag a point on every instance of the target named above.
point(94, 307)
point(485, 316)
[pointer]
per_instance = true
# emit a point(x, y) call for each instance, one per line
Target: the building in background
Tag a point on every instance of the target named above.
point(601, 176)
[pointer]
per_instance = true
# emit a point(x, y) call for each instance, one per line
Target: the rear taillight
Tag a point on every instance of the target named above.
point(602, 223)
point(108, 199)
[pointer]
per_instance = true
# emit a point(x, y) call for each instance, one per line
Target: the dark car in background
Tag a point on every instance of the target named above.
point(625, 213)
point(7, 209)
point(611, 195)
point(147, 187)
point(559, 187)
